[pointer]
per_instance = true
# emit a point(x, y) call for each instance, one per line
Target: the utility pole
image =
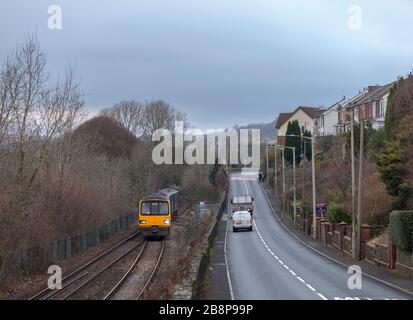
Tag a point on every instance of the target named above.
point(353, 193)
point(313, 178)
point(312, 138)
point(294, 178)
point(266, 172)
point(360, 185)
point(282, 152)
point(275, 171)
point(304, 158)
point(295, 190)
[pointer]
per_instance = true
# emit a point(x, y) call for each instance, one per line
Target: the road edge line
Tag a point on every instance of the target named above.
point(327, 256)
point(231, 291)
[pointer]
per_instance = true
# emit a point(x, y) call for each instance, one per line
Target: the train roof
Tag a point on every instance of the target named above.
point(162, 194)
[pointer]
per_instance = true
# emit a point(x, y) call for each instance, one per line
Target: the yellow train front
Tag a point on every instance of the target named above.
point(157, 211)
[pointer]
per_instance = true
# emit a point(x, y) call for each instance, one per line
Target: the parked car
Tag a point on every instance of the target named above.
point(241, 220)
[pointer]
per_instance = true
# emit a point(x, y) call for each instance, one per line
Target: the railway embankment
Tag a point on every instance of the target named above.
point(187, 253)
point(191, 287)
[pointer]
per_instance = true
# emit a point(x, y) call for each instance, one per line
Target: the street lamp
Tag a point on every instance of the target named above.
point(275, 174)
point(294, 181)
point(312, 138)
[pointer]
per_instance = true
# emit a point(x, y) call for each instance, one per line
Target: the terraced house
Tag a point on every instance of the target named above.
point(372, 105)
point(371, 102)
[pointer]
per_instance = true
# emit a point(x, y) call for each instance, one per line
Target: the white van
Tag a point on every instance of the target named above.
point(241, 220)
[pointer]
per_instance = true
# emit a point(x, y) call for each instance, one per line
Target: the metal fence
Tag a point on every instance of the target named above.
point(205, 208)
point(57, 250)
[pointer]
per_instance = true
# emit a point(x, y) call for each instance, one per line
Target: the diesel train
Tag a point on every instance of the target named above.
point(157, 211)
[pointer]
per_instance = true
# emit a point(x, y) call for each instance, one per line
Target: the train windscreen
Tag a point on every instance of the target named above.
point(151, 208)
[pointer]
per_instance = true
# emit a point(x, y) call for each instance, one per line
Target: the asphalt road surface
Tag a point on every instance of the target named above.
point(269, 263)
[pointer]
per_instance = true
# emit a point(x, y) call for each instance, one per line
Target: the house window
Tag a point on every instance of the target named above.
point(382, 108)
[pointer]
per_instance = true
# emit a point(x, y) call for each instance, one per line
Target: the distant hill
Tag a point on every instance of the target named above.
point(268, 131)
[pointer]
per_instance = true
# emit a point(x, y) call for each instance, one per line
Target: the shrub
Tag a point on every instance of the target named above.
point(336, 214)
point(401, 228)
point(390, 164)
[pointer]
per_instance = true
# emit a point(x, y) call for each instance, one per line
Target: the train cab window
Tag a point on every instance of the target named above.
point(163, 208)
point(146, 208)
point(155, 208)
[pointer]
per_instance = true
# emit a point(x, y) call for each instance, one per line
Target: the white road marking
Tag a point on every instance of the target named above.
point(286, 266)
point(231, 291)
point(279, 260)
point(310, 287)
point(301, 279)
point(327, 256)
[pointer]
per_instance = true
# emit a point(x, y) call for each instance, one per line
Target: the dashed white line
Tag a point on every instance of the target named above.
point(301, 279)
point(279, 260)
point(286, 266)
point(310, 287)
point(410, 293)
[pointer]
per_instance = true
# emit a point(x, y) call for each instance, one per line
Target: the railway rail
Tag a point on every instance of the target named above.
point(153, 273)
point(106, 267)
point(77, 274)
point(82, 276)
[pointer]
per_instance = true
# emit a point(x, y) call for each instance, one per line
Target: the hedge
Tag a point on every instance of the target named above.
point(336, 214)
point(401, 228)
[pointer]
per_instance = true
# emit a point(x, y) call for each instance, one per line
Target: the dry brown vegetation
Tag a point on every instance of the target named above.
point(333, 180)
point(60, 174)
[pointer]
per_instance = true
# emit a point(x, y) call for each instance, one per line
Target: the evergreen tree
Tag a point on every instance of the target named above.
point(288, 153)
point(293, 139)
point(307, 142)
point(213, 172)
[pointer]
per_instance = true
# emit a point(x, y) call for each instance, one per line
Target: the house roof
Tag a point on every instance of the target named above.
point(353, 99)
point(319, 112)
point(382, 91)
point(311, 111)
point(332, 107)
point(283, 117)
point(376, 94)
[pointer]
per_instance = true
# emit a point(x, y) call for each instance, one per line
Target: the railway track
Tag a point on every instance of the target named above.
point(80, 278)
point(77, 275)
point(153, 273)
point(185, 204)
point(102, 270)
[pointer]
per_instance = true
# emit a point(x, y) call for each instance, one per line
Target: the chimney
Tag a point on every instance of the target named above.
point(371, 88)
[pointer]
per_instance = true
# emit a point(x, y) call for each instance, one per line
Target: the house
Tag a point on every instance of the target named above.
point(345, 112)
point(306, 117)
point(327, 120)
point(372, 105)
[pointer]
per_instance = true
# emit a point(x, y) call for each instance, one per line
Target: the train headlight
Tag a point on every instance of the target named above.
point(167, 221)
point(142, 221)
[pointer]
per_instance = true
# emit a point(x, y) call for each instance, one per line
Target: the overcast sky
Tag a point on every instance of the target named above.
point(223, 62)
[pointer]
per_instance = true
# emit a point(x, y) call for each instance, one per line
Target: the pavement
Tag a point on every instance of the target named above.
point(274, 262)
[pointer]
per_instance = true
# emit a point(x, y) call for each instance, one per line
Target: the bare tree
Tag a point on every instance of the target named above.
point(129, 113)
point(33, 113)
point(143, 120)
point(161, 115)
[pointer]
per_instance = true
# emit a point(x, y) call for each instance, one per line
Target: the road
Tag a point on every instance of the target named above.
point(269, 263)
